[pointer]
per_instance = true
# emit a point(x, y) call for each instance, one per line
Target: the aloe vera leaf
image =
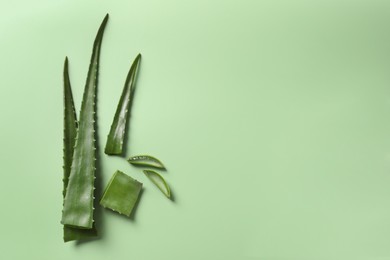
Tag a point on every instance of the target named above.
point(70, 126)
point(159, 181)
point(121, 193)
point(70, 131)
point(78, 204)
point(146, 160)
point(114, 145)
point(72, 233)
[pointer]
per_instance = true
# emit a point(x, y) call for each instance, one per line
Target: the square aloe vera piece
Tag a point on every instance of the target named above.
point(121, 193)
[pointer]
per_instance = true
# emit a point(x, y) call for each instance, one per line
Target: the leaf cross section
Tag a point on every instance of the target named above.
point(114, 145)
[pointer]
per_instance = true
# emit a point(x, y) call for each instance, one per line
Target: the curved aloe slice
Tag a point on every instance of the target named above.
point(70, 131)
point(121, 193)
point(146, 160)
point(159, 181)
point(115, 138)
point(78, 204)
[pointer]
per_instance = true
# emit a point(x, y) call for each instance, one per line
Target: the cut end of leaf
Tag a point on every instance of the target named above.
point(112, 149)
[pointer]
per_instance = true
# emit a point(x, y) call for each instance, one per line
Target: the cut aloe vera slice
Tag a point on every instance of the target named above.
point(71, 233)
point(159, 181)
point(121, 193)
point(146, 160)
point(70, 131)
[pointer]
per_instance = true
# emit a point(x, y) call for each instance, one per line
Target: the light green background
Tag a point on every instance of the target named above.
point(273, 118)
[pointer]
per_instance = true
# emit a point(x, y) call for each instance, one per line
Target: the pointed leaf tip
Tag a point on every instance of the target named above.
point(121, 193)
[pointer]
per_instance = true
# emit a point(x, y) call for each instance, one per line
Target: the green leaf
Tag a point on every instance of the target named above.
point(115, 138)
point(70, 126)
point(121, 193)
point(159, 181)
point(146, 160)
point(70, 131)
point(78, 204)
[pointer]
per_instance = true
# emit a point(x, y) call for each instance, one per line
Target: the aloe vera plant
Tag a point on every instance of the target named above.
point(115, 138)
point(159, 181)
point(70, 131)
point(146, 160)
point(79, 197)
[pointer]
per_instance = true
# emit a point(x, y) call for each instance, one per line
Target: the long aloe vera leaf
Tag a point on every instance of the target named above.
point(159, 181)
point(78, 203)
point(146, 160)
point(121, 193)
point(115, 138)
point(70, 131)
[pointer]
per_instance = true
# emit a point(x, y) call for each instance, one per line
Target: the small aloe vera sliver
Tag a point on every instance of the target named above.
point(159, 181)
point(115, 138)
point(78, 203)
point(70, 131)
point(121, 193)
point(146, 160)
